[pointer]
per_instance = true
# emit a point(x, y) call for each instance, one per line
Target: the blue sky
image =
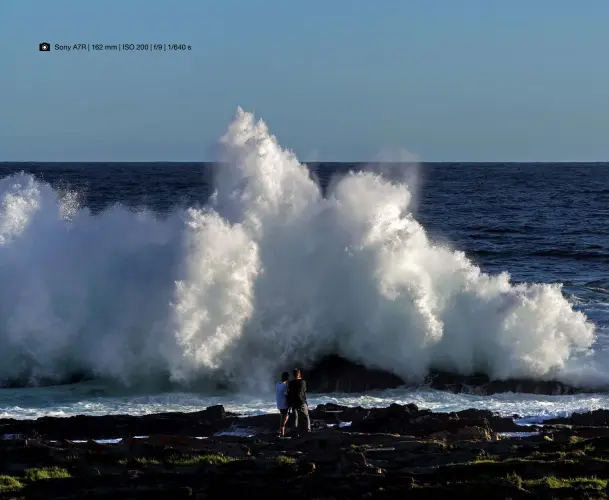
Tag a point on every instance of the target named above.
point(336, 80)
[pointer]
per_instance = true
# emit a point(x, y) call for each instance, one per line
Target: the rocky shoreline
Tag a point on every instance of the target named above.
point(339, 375)
point(335, 374)
point(371, 453)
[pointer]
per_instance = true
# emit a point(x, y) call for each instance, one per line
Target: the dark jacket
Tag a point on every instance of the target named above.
point(297, 392)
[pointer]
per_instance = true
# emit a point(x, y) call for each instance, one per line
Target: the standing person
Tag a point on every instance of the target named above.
point(281, 395)
point(297, 397)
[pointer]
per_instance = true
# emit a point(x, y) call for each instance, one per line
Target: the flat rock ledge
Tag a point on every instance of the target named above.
point(382, 453)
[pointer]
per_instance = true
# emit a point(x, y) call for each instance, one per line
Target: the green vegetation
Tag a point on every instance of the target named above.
point(576, 439)
point(182, 460)
point(514, 479)
point(141, 461)
point(553, 482)
point(46, 473)
point(486, 459)
point(210, 459)
point(10, 483)
point(561, 468)
point(571, 455)
point(590, 483)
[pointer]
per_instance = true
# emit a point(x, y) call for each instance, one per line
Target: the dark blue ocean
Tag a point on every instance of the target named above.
point(541, 223)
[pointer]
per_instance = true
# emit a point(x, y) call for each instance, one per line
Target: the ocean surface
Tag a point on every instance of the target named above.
point(159, 277)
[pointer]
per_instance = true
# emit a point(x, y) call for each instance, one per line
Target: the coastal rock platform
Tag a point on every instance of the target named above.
point(354, 453)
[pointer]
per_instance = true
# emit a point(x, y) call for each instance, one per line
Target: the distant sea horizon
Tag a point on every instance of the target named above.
point(316, 162)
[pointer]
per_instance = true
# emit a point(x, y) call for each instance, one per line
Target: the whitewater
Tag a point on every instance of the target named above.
point(270, 272)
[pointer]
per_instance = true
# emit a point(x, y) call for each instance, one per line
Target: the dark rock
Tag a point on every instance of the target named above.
point(352, 461)
point(495, 420)
point(308, 467)
point(595, 418)
point(466, 433)
point(202, 423)
point(481, 384)
point(327, 413)
point(409, 420)
point(336, 374)
point(438, 455)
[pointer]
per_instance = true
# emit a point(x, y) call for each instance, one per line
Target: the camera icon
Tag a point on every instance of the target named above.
point(44, 47)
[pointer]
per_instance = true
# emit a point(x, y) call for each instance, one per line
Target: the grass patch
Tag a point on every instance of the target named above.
point(485, 459)
point(542, 459)
point(514, 479)
point(531, 459)
point(559, 455)
point(210, 459)
point(570, 456)
point(46, 473)
point(9, 483)
point(141, 461)
point(285, 460)
point(590, 483)
point(182, 460)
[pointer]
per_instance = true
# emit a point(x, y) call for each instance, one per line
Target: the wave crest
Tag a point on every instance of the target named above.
point(269, 272)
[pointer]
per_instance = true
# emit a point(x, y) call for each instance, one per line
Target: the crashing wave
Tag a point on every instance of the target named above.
point(269, 273)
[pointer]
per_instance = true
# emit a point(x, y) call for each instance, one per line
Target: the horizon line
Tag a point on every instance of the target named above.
point(359, 162)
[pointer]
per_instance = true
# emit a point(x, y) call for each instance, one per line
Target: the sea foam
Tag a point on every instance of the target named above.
point(270, 271)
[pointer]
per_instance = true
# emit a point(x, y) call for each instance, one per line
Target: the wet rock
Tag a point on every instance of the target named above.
point(351, 462)
point(336, 374)
point(495, 420)
point(202, 423)
point(409, 420)
point(329, 413)
point(595, 418)
point(448, 455)
point(481, 384)
point(468, 433)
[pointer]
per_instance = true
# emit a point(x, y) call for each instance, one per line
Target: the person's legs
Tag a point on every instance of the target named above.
point(284, 420)
point(295, 419)
point(303, 413)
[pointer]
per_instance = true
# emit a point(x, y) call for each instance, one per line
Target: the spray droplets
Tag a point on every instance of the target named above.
point(268, 273)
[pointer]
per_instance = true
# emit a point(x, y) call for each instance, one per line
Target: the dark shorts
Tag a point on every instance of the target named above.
point(284, 413)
